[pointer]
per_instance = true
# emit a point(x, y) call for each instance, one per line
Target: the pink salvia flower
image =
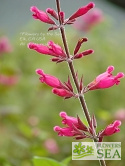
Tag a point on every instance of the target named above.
point(66, 131)
point(41, 15)
point(75, 127)
point(112, 128)
point(51, 49)
point(105, 80)
point(68, 120)
point(5, 46)
point(41, 49)
point(48, 79)
point(52, 12)
point(63, 93)
point(56, 49)
point(81, 11)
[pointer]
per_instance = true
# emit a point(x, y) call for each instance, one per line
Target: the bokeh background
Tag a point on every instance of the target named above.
point(28, 109)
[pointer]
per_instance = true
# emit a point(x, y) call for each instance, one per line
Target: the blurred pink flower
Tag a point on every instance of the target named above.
point(36, 131)
point(5, 46)
point(120, 114)
point(51, 145)
point(87, 21)
point(8, 80)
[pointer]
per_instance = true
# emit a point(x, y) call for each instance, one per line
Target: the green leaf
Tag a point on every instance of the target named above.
point(40, 161)
point(67, 160)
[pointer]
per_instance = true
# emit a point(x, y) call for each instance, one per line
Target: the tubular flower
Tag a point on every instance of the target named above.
point(68, 120)
point(75, 127)
point(63, 93)
point(105, 80)
point(56, 49)
point(63, 90)
point(81, 11)
point(41, 15)
point(67, 131)
point(51, 49)
point(112, 128)
point(109, 130)
point(48, 79)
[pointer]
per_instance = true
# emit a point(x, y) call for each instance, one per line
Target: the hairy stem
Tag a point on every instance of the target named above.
point(73, 73)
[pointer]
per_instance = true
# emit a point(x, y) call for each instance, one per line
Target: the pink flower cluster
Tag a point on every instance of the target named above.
point(57, 52)
point(44, 16)
point(51, 49)
point(75, 128)
point(64, 90)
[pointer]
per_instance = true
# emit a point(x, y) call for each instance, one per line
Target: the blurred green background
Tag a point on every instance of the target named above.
point(28, 109)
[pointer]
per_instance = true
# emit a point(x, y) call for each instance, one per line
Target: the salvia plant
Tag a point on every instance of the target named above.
point(74, 127)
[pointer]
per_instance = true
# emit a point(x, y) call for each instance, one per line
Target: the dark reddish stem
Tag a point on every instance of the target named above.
point(73, 73)
point(71, 67)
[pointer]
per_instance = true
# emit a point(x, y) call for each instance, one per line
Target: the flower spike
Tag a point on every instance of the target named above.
point(63, 93)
